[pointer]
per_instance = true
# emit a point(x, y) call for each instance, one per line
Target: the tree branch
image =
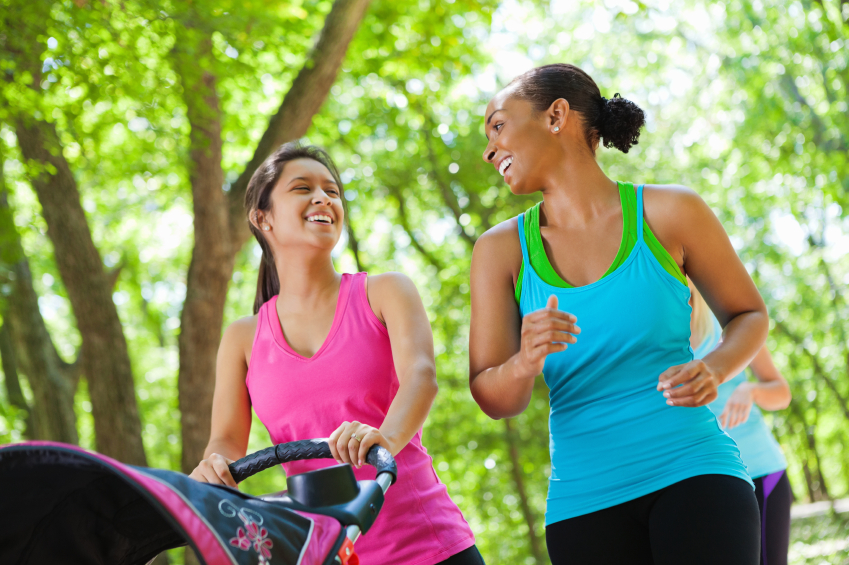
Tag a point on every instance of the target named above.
point(302, 101)
point(354, 244)
point(405, 223)
point(448, 195)
point(14, 392)
point(518, 480)
point(818, 369)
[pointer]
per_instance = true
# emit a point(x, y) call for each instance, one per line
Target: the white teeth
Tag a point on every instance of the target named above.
point(504, 164)
point(320, 218)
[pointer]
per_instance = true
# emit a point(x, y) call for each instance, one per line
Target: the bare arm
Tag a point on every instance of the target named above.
point(697, 236)
point(231, 407)
point(506, 352)
point(396, 301)
point(771, 392)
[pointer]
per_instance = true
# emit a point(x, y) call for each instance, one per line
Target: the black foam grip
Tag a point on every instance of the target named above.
point(250, 465)
point(381, 459)
point(254, 463)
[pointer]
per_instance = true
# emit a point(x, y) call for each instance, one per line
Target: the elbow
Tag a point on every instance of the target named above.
point(493, 409)
point(427, 382)
point(786, 397)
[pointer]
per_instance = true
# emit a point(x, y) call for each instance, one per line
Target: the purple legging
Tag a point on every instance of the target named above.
point(774, 500)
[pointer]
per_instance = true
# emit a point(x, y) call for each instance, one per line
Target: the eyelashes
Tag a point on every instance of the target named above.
point(331, 191)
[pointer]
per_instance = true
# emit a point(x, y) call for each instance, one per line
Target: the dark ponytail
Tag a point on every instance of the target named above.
point(258, 197)
point(615, 122)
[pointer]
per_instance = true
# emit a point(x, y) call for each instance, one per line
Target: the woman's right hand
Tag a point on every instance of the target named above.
point(214, 470)
point(545, 331)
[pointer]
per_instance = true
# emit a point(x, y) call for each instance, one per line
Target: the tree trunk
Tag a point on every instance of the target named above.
point(104, 357)
point(212, 262)
point(220, 227)
point(518, 479)
point(11, 380)
point(26, 344)
point(812, 443)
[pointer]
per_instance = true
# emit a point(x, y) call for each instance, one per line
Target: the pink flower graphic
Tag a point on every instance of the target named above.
point(252, 534)
point(259, 537)
point(241, 541)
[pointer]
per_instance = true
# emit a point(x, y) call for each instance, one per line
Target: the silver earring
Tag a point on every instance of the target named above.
point(266, 228)
point(556, 129)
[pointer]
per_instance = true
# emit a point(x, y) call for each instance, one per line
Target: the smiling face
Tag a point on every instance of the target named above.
point(523, 144)
point(306, 207)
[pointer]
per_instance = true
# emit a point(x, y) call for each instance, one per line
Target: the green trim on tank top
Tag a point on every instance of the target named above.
point(628, 198)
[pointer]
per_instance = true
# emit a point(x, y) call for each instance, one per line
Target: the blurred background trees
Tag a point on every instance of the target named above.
point(128, 131)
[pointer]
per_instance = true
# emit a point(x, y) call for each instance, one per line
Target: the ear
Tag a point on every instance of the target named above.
point(257, 219)
point(557, 115)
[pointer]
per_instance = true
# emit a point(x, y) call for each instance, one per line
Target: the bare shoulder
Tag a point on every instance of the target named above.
point(239, 335)
point(505, 233)
point(673, 207)
point(671, 195)
point(499, 249)
point(392, 283)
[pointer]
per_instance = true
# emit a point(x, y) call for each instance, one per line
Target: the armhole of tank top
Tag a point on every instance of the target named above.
point(526, 264)
point(362, 290)
point(260, 316)
point(663, 258)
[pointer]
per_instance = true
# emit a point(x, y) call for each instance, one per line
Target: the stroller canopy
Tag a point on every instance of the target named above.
point(64, 505)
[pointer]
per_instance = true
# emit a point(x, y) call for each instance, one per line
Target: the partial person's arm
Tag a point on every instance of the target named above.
point(507, 352)
point(231, 406)
point(688, 228)
point(395, 300)
point(770, 392)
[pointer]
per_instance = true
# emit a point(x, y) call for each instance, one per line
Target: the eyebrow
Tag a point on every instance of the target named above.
point(492, 114)
point(308, 180)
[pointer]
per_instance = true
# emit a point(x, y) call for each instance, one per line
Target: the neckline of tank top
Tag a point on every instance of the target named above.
point(342, 300)
point(629, 216)
point(603, 280)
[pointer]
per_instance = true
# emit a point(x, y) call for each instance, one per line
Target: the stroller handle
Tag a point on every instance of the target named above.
point(378, 456)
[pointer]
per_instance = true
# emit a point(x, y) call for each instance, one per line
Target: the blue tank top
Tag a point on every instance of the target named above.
point(758, 447)
point(612, 436)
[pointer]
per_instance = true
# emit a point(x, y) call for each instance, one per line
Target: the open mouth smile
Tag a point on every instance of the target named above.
point(505, 164)
point(320, 219)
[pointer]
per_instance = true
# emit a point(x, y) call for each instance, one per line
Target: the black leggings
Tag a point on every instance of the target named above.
point(469, 556)
point(774, 499)
point(704, 520)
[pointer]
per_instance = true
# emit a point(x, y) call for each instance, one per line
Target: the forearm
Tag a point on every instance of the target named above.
point(229, 448)
point(409, 408)
point(742, 338)
point(503, 391)
point(771, 395)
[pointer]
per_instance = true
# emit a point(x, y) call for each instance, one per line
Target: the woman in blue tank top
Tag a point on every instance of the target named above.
point(735, 408)
point(641, 472)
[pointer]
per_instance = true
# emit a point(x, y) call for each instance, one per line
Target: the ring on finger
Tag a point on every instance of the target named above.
point(354, 436)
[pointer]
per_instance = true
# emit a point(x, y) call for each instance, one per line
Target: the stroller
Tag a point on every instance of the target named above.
point(60, 504)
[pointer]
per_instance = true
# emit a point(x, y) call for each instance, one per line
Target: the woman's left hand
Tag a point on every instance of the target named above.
point(352, 440)
point(699, 384)
point(738, 407)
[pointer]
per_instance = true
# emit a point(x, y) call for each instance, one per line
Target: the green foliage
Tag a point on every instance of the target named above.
point(746, 103)
point(819, 540)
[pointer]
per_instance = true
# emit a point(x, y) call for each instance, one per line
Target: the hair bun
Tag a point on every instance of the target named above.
point(620, 121)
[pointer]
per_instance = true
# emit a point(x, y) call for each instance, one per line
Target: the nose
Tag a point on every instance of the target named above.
point(489, 152)
point(321, 197)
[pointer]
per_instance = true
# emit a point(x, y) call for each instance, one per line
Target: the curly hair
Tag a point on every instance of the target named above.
point(615, 122)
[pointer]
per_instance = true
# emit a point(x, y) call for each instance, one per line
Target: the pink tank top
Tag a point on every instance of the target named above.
point(352, 377)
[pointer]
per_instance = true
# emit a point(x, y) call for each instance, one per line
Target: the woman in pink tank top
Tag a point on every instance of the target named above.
point(344, 356)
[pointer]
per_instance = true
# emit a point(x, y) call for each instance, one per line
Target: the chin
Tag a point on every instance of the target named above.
point(518, 188)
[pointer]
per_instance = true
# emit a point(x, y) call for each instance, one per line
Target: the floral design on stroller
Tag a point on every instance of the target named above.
point(62, 504)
